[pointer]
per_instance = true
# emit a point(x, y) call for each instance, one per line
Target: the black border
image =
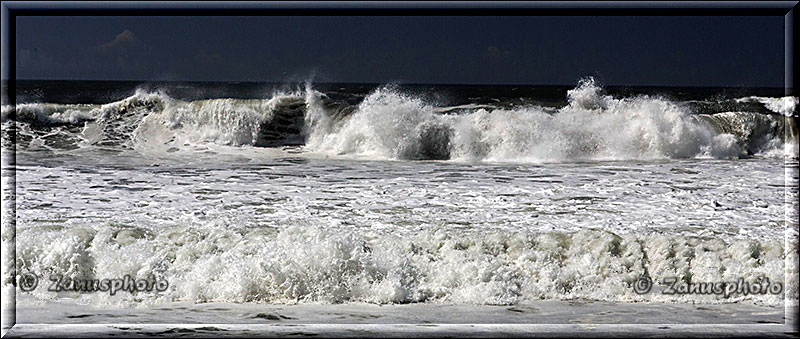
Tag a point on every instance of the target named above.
point(12, 9)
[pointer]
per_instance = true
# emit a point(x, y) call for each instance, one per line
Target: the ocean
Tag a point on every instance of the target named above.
point(398, 203)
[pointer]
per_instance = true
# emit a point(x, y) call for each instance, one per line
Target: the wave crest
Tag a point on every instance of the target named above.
point(390, 124)
point(224, 263)
point(592, 126)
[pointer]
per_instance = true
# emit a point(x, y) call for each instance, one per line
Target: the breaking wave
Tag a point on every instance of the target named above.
point(312, 264)
point(390, 124)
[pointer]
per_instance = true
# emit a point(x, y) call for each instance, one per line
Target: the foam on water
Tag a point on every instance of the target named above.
point(385, 125)
point(385, 232)
point(183, 190)
point(389, 124)
point(224, 263)
point(221, 121)
point(785, 105)
point(50, 113)
point(593, 126)
point(152, 122)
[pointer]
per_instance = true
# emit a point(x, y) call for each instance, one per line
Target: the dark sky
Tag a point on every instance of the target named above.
point(677, 51)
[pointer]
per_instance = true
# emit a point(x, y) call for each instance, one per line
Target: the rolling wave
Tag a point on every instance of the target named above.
point(389, 124)
point(314, 264)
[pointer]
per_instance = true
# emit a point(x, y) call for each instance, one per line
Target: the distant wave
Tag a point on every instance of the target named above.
point(784, 105)
point(389, 124)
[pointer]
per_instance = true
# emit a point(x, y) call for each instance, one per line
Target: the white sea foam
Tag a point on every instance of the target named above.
point(225, 263)
point(153, 122)
point(224, 221)
point(388, 124)
point(51, 113)
point(785, 105)
point(385, 125)
point(221, 121)
point(335, 231)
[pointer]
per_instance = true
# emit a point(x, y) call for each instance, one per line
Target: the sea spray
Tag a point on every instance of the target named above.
point(314, 264)
point(592, 126)
point(389, 123)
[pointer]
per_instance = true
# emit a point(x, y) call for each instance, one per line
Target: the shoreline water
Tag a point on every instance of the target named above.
point(577, 311)
point(577, 318)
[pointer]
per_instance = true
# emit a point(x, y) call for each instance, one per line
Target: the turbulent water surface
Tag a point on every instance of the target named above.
point(402, 194)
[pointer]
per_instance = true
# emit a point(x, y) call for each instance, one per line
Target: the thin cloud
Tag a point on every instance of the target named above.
point(126, 52)
point(123, 41)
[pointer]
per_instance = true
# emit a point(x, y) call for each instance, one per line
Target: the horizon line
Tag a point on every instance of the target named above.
point(5, 81)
